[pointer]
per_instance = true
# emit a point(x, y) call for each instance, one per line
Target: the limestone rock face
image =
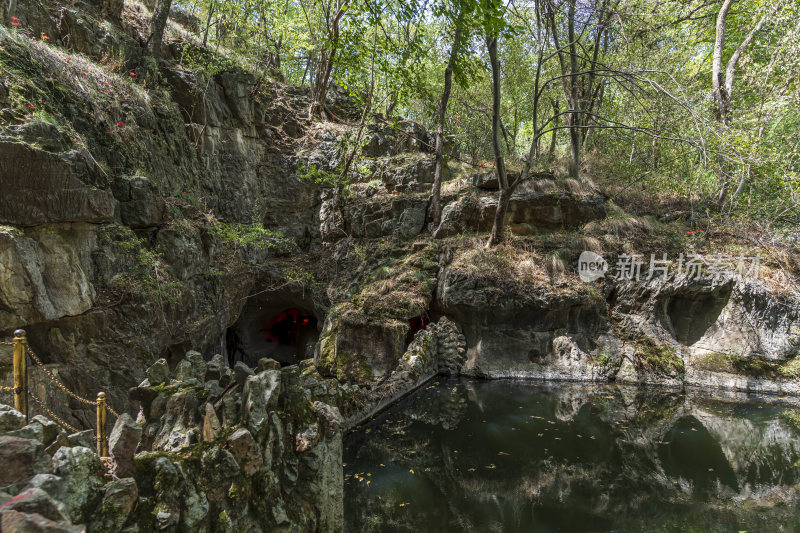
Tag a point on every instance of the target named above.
point(122, 443)
point(45, 273)
point(528, 213)
point(402, 217)
point(51, 187)
point(485, 180)
point(359, 352)
point(141, 204)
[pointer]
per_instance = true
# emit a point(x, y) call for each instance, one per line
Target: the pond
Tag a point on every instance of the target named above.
point(484, 456)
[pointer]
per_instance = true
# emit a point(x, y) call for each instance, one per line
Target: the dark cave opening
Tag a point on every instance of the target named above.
point(416, 324)
point(283, 327)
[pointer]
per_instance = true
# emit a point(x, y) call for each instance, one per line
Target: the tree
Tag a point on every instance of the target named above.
point(722, 86)
point(326, 57)
point(157, 25)
point(493, 23)
point(579, 63)
point(461, 7)
point(722, 83)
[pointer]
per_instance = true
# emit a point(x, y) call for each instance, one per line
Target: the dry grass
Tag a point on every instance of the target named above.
point(578, 188)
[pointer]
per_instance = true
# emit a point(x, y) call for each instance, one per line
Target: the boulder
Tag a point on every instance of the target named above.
point(33, 500)
point(21, 459)
point(179, 419)
point(50, 483)
point(158, 373)
point(329, 418)
point(119, 498)
point(242, 372)
point(245, 450)
point(265, 363)
point(122, 444)
point(10, 419)
point(193, 366)
point(260, 396)
point(211, 424)
point(83, 438)
point(17, 522)
point(218, 369)
point(83, 473)
point(50, 430)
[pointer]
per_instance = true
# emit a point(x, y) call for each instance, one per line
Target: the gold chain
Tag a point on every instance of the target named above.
point(6, 343)
point(55, 417)
point(60, 385)
point(8, 389)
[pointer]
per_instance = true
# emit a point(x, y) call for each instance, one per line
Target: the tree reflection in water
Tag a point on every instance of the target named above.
point(513, 456)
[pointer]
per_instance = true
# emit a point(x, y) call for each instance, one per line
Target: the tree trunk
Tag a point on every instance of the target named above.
point(721, 98)
point(498, 227)
point(552, 154)
point(325, 61)
point(436, 201)
point(157, 25)
point(208, 23)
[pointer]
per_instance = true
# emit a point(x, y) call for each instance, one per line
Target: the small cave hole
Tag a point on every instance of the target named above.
point(283, 328)
point(418, 323)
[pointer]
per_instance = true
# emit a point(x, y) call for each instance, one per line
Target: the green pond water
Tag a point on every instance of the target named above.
point(518, 456)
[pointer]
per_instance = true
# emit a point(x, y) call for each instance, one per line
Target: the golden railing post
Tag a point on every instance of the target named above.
point(102, 438)
point(20, 373)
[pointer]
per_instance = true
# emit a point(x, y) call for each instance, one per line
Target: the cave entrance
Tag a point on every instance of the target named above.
point(689, 316)
point(416, 324)
point(283, 327)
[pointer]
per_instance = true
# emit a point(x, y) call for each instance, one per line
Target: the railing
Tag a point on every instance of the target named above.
point(21, 391)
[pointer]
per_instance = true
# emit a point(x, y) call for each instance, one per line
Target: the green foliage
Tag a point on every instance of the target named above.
point(251, 236)
point(325, 178)
point(659, 358)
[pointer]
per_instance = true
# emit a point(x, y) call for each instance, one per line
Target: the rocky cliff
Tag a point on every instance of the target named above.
point(149, 212)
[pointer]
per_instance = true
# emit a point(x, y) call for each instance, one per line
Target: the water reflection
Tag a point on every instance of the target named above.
point(511, 456)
